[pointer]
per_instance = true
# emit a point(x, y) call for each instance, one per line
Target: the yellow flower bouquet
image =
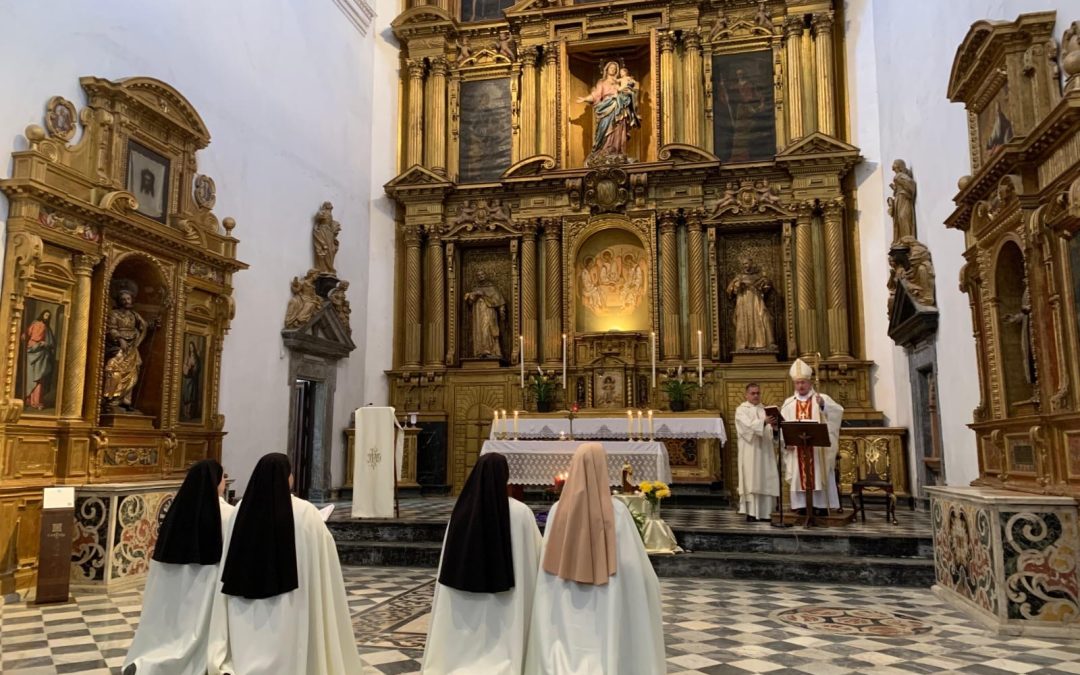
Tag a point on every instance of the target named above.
point(654, 491)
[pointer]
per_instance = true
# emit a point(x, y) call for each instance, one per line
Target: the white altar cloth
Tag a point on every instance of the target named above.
point(377, 465)
point(537, 462)
point(543, 428)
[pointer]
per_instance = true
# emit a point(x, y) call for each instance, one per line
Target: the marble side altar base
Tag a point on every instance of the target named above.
point(1008, 559)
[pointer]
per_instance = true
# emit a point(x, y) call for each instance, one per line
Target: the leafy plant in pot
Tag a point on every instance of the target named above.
point(679, 392)
point(542, 386)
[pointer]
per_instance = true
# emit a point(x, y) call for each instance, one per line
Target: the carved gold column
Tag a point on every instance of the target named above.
point(694, 104)
point(528, 104)
point(552, 293)
point(666, 40)
point(548, 80)
point(78, 332)
point(435, 116)
point(836, 279)
point(435, 310)
point(695, 242)
point(793, 30)
point(823, 60)
point(669, 280)
point(413, 236)
point(414, 141)
point(528, 288)
point(805, 289)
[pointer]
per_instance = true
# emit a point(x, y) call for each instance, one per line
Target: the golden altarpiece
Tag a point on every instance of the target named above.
point(117, 295)
point(1005, 548)
point(615, 177)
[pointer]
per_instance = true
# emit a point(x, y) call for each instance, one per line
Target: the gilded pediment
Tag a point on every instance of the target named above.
point(680, 153)
point(815, 144)
point(150, 94)
point(323, 334)
point(423, 14)
point(417, 178)
point(485, 57)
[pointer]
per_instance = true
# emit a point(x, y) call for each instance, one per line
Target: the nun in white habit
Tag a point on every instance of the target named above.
point(483, 599)
point(282, 608)
point(183, 579)
point(597, 605)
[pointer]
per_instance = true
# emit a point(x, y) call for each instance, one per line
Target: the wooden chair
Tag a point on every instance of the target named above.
point(876, 478)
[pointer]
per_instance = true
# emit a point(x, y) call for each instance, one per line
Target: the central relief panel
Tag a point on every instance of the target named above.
point(611, 283)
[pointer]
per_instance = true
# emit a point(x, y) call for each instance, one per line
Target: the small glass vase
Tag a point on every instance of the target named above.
point(652, 509)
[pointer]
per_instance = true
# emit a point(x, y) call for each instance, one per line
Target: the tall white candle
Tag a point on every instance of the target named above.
point(521, 352)
point(495, 423)
point(629, 424)
point(652, 356)
point(650, 426)
point(505, 424)
point(700, 366)
point(640, 425)
point(564, 360)
point(515, 425)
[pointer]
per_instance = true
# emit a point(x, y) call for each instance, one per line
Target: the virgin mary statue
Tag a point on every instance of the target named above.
point(614, 102)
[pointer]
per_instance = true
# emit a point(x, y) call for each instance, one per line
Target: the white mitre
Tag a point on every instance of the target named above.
point(800, 370)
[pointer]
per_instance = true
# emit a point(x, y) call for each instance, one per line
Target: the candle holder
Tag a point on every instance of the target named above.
point(570, 416)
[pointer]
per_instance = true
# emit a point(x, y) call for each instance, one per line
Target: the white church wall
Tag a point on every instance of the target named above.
point(285, 88)
point(900, 76)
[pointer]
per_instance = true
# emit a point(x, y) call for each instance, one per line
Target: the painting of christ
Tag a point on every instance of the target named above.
point(744, 117)
point(39, 356)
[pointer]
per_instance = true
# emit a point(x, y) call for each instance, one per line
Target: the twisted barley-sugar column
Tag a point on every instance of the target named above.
point(413, 236)
point(669, 279)
point(435, 116)
point(527, 142)
point(548, 80)
point(793, 30)
point(805, 290)
point(666, 40)
point(78, 333)
point(552, 293)
point(697, 282)
point(528, 289)
point(414, 141)
point(823, 57)
point(694, 110)
point(435, 312)
point(836, 279)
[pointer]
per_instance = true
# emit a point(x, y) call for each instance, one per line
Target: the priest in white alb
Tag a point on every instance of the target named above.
point(812, 469)
point(759, 483)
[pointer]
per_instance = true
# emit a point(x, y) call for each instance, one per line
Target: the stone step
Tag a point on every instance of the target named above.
point(866, 571)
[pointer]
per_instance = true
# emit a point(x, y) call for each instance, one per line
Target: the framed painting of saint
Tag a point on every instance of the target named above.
point(995, 124)
point(744, 116)
point(38, 371)
point(485, 138)
point(483, 10)
point(192, 377)
point(148, 180)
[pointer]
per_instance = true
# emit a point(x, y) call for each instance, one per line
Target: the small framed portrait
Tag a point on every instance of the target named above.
point(148, 180)
point(192, 378)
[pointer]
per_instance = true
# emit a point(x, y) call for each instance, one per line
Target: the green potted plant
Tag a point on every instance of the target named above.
point(679, 392)
point(542, 386)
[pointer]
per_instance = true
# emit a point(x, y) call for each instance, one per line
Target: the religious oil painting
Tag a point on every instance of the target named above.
point(611, 283)
point(608, 389)
point(148, 180)
point(192, 377)
point(484, 153)
point(995, 126)
point(744, 117)
point(40, 339)
point(484, 10)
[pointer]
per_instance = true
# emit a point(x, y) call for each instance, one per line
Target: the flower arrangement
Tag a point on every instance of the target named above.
point(654, 491)
point(679, 391)
point(542, 386)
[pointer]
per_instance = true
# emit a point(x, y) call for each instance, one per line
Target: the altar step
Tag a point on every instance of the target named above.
point(843, 556)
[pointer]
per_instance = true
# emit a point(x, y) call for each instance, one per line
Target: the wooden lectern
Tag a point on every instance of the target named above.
point(815, 434)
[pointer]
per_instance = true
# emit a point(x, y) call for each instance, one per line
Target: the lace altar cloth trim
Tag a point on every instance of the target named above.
point(588, 428)
point(537, 462)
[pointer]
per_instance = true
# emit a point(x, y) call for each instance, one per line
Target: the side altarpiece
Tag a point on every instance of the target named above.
point(117, 295)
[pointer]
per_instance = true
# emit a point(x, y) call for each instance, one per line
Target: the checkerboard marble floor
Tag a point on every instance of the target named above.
point(909, 523)
point(711, 626)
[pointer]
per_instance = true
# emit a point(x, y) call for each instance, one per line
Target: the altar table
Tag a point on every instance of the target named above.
point(537, 462)
point(538, 428)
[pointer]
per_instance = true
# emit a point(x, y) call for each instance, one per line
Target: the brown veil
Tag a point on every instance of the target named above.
point(581, 543)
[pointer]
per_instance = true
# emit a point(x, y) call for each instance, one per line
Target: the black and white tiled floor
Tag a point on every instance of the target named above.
point(711, 626)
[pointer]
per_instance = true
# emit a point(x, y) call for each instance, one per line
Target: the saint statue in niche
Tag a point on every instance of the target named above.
point(615, 101)
point(753, 324)
point(325, 239)
point(902, 203)
point(125, 330)
point(488, 308)
point(1023, 319)
point(191, 382)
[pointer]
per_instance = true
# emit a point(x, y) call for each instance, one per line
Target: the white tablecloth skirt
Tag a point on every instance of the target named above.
point(537, 462)
point(548, 428)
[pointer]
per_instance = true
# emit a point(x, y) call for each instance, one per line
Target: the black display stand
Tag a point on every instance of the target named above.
point(813, 434)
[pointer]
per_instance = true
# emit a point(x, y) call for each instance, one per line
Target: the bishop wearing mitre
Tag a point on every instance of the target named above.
point(812, 469)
